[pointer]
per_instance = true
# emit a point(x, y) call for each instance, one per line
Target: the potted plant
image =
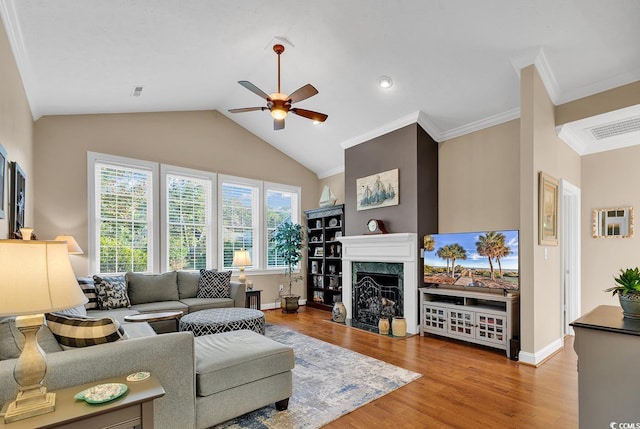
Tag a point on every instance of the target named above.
point(628, 291)
point(288, 245)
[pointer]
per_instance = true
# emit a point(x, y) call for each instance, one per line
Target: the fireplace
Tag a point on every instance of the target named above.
point(380, 276)
point(377, 292)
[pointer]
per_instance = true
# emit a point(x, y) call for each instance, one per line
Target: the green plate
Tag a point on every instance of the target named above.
point(102, 393)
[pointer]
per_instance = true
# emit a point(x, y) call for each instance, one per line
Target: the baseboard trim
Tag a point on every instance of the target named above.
point(276, 305)
point(538, 358)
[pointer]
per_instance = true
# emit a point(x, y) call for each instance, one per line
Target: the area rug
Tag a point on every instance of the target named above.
point(328, 382)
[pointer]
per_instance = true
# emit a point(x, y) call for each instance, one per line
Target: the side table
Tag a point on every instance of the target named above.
point(132, 410)
point(253, 299)
point(155, 317)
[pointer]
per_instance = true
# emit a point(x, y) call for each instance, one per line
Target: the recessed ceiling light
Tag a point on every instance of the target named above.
point(385, 82)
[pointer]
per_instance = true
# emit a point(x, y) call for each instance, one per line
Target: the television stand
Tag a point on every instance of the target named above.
point(489, 319)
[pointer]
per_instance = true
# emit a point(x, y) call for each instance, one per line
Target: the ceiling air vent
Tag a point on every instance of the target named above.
point(137, 91)
point(616, 128)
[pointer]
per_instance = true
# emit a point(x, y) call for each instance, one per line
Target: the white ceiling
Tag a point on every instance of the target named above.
point(453, 62)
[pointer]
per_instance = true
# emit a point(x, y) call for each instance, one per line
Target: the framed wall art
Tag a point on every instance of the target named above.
point(378, 190)
point(18, 190)
point(548, 210)
point(3, 181)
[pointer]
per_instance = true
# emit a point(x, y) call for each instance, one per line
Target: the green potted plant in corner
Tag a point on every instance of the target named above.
point(628, 291)
point(288, 246)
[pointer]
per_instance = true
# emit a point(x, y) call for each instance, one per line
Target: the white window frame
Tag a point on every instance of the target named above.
point(94, 158)
point(212, 231)
point(295, 215)
point(256, 257)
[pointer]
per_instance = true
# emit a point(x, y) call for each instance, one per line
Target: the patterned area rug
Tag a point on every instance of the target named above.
point(355, 380)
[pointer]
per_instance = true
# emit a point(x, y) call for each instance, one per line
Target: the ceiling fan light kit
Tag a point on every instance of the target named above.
point(279, 104)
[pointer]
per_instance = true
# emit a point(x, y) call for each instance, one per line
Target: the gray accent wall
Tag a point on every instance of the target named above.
point(415, 154)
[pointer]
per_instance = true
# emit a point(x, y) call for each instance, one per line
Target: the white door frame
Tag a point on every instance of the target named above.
point(571, 255)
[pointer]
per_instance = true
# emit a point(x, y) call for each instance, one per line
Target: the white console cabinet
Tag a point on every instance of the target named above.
point(490, 319)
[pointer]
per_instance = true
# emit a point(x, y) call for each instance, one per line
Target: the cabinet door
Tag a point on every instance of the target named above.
point(434, 319)
point(491, 328)
point(461, 323)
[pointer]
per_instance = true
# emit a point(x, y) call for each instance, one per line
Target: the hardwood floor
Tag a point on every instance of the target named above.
point(463, 385)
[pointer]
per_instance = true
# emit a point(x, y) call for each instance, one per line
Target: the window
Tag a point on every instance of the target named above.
point(188, 210)
point(239, 214)
point(127, 232)
point(281, 205)
point(122, 213)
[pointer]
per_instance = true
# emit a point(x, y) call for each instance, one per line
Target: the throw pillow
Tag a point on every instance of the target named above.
point(112, 292)
point(143, 288)
point(188, 283)
point(74, 331)
point(214, 284)
point(89, 289)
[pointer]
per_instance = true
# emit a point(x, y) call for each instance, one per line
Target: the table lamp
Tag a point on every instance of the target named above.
point(35, 278)
point(72, 244)
point(241, 259)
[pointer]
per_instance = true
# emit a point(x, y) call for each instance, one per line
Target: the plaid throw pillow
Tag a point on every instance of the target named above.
point(112, 292)
point(214, 284)
point(89, 289)
point(74, 331)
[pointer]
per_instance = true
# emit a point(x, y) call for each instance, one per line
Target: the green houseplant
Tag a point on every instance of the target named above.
point(288, 243)
point(628, 291)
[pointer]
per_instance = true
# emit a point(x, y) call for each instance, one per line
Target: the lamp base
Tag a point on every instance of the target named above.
point(28, 404)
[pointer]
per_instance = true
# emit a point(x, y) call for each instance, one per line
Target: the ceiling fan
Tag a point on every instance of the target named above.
point(280, 104)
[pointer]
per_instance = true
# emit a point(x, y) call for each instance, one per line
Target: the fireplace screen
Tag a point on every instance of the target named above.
point(376, 295)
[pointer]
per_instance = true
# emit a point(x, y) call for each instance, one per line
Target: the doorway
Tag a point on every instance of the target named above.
point(570, 249)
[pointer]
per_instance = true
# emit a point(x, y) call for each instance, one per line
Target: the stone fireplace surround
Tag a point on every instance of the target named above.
point(398, 248)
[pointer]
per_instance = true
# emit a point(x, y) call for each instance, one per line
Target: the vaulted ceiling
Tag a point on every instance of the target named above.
point(454, 63)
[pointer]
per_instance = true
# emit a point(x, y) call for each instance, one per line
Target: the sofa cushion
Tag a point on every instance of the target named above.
point(77, 332)
point(197, 304)
point(112, 292)
point(231, 359)
point(89, 288)
point(143, 288)
point(214, 284)
point(12, 340)
point(188, 283)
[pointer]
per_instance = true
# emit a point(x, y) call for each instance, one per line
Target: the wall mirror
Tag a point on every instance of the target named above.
point(613, 222)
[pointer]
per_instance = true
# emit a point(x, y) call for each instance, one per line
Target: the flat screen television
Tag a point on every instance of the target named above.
point(486, 259)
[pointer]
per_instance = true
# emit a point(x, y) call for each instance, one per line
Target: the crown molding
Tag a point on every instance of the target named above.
point(14, 34)
point(538, 58)
point(571, 138)
point(490, 121)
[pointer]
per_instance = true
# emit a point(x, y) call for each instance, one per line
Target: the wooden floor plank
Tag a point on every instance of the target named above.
point(462, 386)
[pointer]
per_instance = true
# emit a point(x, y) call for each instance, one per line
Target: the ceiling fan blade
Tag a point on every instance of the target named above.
point(310, 114)
point(303, 93)
point(246, 109)
point(278, 124)
point(251, 87)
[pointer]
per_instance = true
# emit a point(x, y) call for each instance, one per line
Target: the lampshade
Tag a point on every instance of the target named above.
point(241, 258)
point(72, 244)
point(36, 277)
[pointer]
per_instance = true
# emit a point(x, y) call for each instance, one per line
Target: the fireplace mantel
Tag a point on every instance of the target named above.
point(399, 248)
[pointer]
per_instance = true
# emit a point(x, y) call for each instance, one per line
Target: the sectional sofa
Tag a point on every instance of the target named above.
point(208, 379)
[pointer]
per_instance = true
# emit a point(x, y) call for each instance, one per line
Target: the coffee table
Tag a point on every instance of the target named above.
point(155, 317)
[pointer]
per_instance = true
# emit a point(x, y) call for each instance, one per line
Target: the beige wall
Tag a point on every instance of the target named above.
point(16, 130)
point(336, 184)
point(203, 140)
point(478, 183)
point(541, 150)
point(609, 179)
point(607, 101)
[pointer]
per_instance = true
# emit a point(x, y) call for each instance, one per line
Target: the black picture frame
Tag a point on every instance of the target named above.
point(3, 186)
point(18, 194)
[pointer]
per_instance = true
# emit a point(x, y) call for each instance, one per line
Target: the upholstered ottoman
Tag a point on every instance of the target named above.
point(241, 370)
point(216, 320)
